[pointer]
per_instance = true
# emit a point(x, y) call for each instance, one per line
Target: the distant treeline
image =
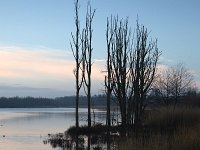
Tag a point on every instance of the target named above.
point(97, 101)
point(32, 102)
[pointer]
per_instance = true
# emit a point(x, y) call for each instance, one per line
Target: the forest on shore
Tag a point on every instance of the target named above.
point(41, 102)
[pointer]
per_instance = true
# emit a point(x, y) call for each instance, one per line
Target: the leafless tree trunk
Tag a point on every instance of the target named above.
point(143, 69)
point(75, 46)
point(87, 57)
point(132, 69)
point(108, 77)
point(119, 47)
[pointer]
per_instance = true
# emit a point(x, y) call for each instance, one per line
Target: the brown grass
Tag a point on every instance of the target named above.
point(184, 124)
point(168, 117)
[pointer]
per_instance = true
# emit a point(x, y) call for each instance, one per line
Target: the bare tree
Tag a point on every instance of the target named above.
point(181, 81)
point(163, 87)
point(108, 78)
point(132, 68)
point(76, 49)
point(174, 83)
point(119, 46)
point(143, 68)
point(87, 57)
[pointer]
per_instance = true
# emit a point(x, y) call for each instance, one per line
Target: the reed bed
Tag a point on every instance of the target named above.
point(167, 129)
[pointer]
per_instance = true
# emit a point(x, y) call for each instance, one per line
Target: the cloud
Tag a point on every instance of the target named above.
point(22, 91)
point(196, 76)
point(42, 68)
point(163, 60)
point(198, 85)
point(161, 67)
point(43, 71)
point(20, 63)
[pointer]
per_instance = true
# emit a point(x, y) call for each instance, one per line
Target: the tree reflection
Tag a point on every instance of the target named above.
point(89, 142)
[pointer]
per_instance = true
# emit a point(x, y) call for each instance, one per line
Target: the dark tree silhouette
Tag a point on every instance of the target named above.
point(173, 83)
point(131, 67)
point(108, 78)
point(75, 47)
point(87, 57)
point(181, 81)
point(162, 87)
point(119, 47)
point(143, 68)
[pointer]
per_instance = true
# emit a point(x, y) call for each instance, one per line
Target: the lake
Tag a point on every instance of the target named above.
point(27, 128)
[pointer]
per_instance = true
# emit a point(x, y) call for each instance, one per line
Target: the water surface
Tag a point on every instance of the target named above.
point(26, 128)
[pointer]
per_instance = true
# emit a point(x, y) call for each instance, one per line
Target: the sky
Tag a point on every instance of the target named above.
point(35, 54)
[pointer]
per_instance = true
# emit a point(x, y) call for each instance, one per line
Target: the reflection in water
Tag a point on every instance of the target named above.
point(27, 128)
point(89, 142)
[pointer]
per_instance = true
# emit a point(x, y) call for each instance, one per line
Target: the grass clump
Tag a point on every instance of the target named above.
point(172, 118)
point(186, 139)
point(85, 130)
point(168, 129)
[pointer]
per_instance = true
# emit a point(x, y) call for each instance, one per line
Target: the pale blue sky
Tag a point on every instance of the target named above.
point(32, 24)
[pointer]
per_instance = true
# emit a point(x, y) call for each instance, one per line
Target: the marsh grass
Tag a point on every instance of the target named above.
point(173, 117)
point(167, 129)
point(186, 139)
point(94, 130)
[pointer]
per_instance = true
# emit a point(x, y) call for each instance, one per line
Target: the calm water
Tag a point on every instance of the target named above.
point(26, 128)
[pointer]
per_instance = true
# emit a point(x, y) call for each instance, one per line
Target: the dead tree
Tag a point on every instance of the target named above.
point(143, 68)
point(87, 57)
point(108, 78)
point(76, 49)
point(181, 81)
point(174, 82)
point(132, 68)
point(119, 47)
point(163, 87)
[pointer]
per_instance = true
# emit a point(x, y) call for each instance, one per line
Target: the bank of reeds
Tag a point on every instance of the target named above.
point(167, 129)
point(94, 130)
